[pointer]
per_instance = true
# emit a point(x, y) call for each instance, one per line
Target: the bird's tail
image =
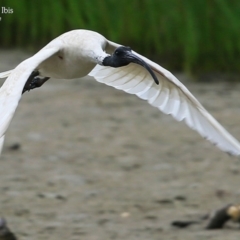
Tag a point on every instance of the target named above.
point(5, 74)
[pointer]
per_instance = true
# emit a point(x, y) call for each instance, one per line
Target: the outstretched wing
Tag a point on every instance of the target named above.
point(170, 96)
point(11, 90)
point(1, 143)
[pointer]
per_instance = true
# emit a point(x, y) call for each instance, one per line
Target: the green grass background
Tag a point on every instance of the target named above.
point(187, 35)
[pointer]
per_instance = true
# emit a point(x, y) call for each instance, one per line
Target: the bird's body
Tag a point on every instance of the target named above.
point(79, 53)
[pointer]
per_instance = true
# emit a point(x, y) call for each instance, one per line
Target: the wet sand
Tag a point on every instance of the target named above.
point(85, 161)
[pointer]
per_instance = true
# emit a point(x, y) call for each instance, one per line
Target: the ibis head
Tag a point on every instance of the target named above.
point(122, 56)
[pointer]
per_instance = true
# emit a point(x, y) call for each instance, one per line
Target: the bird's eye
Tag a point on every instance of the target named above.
point(117, 52)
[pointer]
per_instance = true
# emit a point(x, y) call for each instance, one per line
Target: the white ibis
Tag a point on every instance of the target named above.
point(79, 53)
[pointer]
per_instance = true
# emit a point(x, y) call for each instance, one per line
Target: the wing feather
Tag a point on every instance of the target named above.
point(5, 74)
point(170, 96)
point(11, 90)
point(1, 143)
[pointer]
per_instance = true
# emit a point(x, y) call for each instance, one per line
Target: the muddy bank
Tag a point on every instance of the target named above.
point(95, 163)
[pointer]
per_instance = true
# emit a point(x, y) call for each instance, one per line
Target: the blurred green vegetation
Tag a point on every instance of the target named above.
point(188, 35)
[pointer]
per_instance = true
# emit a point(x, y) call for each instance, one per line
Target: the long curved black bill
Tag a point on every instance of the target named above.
point(135, 59)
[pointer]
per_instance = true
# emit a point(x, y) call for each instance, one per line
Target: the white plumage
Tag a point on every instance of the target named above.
point(81, 52)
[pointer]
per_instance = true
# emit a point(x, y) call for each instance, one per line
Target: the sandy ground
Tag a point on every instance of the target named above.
point(95, 163)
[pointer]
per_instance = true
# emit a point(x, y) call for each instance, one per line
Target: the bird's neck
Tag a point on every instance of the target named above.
point(100, 58)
